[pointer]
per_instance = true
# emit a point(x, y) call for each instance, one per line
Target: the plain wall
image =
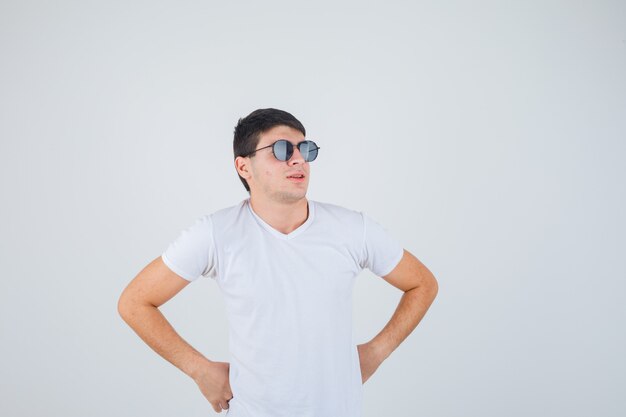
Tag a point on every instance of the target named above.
point(487, 137)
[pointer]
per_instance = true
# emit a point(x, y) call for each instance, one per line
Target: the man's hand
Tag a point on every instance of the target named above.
point(139, 307)
point(370, 359)
point(214, 384)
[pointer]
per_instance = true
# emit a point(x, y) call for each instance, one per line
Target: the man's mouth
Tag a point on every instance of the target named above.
point(296, 178)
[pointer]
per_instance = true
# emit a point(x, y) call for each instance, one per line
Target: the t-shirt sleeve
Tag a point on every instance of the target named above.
point(192, 254)
point(381, 252)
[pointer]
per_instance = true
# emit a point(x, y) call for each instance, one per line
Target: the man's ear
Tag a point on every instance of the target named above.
point(242, 167)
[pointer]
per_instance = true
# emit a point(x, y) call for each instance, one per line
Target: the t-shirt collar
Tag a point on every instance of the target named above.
point(300, 229)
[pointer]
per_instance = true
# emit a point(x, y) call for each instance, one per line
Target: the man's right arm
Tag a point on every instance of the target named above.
point(138, 306)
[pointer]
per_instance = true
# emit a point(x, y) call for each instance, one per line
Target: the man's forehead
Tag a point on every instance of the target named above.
point(281, 132)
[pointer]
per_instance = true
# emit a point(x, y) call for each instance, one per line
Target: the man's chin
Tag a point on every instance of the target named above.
point(292, 195)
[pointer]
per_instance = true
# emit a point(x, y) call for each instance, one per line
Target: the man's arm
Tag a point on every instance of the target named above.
point(138, 306)
point(420, 289)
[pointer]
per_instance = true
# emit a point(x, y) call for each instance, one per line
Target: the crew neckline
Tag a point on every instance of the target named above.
point(296, 232)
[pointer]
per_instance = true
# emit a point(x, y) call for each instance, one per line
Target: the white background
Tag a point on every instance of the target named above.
point(487, 137)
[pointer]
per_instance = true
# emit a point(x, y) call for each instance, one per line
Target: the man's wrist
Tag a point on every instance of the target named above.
point(198, 367)
point(382, 352)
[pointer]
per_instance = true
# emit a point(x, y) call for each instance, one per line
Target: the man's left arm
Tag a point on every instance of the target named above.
point(420, 289)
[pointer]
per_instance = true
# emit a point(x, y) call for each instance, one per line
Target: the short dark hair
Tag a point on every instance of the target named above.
point(249, 129)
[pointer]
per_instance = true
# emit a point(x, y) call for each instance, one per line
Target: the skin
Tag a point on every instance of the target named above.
point(280, 202)
point(420, 289)
point(283, 205)
point(139, 306)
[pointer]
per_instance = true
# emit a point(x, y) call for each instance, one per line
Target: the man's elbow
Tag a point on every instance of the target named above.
point(433, 288)
point(123, 306)
point(127, 306)
point(430, 286)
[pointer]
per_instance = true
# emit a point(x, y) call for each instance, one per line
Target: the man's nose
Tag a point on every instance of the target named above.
point(296, 157)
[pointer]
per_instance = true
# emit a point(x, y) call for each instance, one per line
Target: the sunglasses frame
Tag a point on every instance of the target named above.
point(288, 144)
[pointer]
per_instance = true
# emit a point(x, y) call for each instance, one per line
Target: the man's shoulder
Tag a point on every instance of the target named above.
point(225, 214)
point(336, 210)
point(229, 209)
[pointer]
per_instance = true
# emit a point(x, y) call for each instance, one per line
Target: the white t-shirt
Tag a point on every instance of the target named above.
point(289, 303)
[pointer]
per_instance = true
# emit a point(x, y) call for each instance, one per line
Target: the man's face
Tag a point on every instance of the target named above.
point(269, 176)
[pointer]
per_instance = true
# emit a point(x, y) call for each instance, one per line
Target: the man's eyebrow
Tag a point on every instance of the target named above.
point(294, 144)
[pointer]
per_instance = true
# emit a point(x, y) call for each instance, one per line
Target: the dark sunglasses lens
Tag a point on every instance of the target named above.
point(283, 150)
point(308, 149)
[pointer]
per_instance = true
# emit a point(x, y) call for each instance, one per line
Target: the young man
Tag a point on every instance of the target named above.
point(286, 266)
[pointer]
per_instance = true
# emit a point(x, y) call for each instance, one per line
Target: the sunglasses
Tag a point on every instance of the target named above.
point(283, 150)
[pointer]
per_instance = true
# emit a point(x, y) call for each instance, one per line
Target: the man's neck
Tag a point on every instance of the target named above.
point(282, 216)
